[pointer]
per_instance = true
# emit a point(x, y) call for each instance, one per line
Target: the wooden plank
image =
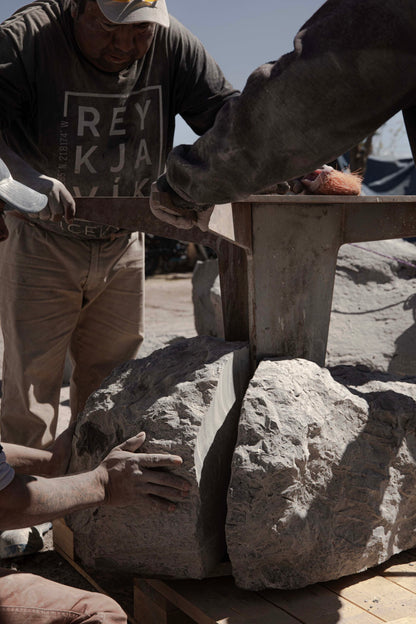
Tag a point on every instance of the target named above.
point(63, 537)
point(219, 601)
point(232, 264)
point(365, 217)
point(81, 571)
point(233, 223)
point(211, 601)
point(379, 222)
point(134, 214)
point(163, 592)
point(318, 605)
point(402, 570)
point(377, 595)
point(90, 579)
point(63, 543)
point(348, 200)
point(369, 598)
point(150, 607)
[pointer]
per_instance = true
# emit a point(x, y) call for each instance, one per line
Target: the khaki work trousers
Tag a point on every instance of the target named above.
point(30, 599)
point(58, 294)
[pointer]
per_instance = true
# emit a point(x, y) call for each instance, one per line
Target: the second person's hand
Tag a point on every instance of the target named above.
point(128, 477)
point(167, 206)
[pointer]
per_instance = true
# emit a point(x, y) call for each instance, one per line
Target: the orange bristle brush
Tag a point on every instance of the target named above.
point(329, 181)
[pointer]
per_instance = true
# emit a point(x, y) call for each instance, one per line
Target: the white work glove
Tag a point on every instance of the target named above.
point(61, 204)
point(181, 214)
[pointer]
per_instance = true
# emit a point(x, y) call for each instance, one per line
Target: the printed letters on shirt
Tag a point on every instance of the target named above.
point(111, 145)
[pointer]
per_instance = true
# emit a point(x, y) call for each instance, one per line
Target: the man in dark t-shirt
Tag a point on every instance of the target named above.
point(89, 91)
point(30, 491)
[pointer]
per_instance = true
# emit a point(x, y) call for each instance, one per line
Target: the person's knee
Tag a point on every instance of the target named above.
point(105, 609)
point(22, 590)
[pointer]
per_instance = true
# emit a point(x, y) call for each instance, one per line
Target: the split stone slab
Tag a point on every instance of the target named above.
point(323, 478)
point(187, 398)
point(206, 299)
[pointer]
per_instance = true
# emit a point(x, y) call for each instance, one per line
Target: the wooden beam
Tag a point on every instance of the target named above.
point(133, 213)
point(379, 221)
point(219, 601)
point(233, 273)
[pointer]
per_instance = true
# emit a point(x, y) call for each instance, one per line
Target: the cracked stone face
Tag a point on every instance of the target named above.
point(187, 398)
point(323, 476)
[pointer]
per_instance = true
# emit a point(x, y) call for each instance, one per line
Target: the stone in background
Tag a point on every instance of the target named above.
point(323, 476)
point(187, 398)
point(373, 307)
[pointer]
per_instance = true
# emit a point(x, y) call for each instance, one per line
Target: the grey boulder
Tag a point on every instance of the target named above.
point(323, 476)
point(187, 399)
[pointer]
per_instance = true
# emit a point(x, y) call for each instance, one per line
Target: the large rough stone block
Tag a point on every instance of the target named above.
point(324, 474)
point(187, 399)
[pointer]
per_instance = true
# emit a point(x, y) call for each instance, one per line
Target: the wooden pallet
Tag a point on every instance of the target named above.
point(384, 594)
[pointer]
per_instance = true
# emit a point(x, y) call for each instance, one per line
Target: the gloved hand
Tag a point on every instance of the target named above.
point(61, 204)
point(169, 207)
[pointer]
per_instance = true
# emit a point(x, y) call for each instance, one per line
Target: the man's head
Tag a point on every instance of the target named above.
point(112, 34)
point(17, 196)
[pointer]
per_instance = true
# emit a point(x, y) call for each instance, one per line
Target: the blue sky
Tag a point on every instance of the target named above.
point(242, 34)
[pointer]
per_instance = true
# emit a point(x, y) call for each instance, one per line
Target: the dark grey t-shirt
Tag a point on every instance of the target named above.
point(100, 134)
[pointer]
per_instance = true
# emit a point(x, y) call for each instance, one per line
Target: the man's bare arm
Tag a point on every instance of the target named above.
point(46, 463)
point(123, 478)
point(28, 501)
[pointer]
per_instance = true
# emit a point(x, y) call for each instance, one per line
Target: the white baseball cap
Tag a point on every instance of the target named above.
point(17, 196)
point(131, 11)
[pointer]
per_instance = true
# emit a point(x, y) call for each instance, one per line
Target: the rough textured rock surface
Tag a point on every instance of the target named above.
point(373, 308)
point(187, 399)
point(324, 474)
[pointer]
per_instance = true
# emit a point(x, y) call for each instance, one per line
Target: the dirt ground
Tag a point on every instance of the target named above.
point(168, 314)
point(168, 305)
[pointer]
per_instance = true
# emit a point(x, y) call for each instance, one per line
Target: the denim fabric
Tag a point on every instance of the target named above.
point(6, 471)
